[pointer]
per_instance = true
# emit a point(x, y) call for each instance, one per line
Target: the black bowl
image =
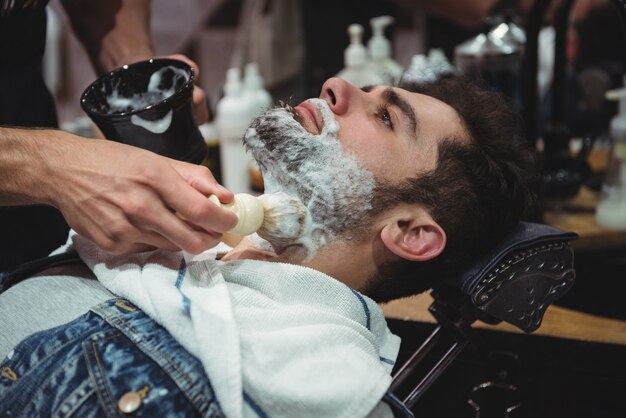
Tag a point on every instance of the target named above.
point(148, 105)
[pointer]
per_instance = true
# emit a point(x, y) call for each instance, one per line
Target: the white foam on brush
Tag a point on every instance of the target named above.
point(330, 181)
point(284, 209)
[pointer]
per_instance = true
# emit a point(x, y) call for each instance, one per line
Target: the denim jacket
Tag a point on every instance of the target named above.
point(112, 361)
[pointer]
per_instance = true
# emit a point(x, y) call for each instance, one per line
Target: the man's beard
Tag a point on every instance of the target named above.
point(328, 180)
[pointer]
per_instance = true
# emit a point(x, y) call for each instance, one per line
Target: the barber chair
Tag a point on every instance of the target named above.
point(515, 283)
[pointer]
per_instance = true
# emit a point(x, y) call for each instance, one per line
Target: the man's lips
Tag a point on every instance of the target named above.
point(311, 119)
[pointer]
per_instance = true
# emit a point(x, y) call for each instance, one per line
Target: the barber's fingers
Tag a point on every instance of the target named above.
point(110, 225)
point(187, 198)
point(169, 211)
point(155, 241)
point(141, 241)
point(164, 229)
point(200, 107)
point(151, 241)
point(158, 228)
point(124, 222)
point(200, 178)
point(188, 61)
point(197, 210)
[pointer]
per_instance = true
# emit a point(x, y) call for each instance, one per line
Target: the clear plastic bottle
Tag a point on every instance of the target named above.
point(611, 210)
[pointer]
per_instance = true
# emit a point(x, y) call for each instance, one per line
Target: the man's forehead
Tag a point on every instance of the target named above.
point(437, 115)
point(420, 99)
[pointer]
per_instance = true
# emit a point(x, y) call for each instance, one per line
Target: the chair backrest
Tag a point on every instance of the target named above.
point(517, 281)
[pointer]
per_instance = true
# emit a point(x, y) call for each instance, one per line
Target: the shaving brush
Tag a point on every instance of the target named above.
point(277, 217)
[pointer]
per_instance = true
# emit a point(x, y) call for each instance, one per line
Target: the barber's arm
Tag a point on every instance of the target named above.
point(114, 32)
point(123, 198)
point(117, 32)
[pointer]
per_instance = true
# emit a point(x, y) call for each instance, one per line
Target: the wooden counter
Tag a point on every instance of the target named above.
point(578, 215)
point(557, 322)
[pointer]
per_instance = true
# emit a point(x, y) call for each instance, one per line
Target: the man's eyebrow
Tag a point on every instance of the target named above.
point(393, 99)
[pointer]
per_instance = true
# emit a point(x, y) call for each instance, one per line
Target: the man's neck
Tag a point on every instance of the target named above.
point(350, 264)
point(246, 249)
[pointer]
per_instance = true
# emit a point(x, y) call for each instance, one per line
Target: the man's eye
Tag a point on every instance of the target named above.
point(383, 115)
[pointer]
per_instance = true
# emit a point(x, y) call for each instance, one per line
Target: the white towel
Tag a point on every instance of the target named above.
point(276, 340)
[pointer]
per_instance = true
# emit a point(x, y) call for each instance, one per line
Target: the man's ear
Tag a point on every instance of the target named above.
point(415, 236)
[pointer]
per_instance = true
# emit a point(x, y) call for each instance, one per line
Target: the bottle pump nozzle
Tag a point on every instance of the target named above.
point(252, 77)
point(256, 97)
point(356, 60)
point(232, 86)
point(356, 54)
point(378, 45)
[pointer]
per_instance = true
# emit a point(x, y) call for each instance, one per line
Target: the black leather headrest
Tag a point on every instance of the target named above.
point(518, 280)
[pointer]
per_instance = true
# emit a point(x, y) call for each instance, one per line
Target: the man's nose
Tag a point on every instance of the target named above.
point(338, 93)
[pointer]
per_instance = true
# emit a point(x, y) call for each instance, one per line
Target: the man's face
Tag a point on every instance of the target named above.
point(332, 151)
point(394, 133)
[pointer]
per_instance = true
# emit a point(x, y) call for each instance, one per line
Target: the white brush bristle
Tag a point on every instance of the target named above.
point(284, 219)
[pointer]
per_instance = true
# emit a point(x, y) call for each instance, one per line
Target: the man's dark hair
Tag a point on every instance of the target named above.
point(478, 192)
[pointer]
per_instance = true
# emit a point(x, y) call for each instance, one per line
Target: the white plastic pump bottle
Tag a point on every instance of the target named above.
point(380, 52)
point(254, 94)
point(257, 100)
point(611, 210)
point(232, 120)
point(357, 71)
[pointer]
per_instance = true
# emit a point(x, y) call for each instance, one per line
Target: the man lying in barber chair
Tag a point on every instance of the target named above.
point(404, 189)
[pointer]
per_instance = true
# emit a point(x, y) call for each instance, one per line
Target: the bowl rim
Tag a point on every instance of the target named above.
point(91, 112)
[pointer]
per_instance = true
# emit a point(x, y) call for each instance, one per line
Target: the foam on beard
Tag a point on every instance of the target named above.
point(330, 181)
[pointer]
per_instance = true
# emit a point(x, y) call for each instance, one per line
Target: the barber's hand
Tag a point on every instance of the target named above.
point(127, 199)
point(199, 97)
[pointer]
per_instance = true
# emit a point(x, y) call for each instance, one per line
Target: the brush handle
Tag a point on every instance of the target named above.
point(248, 209)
